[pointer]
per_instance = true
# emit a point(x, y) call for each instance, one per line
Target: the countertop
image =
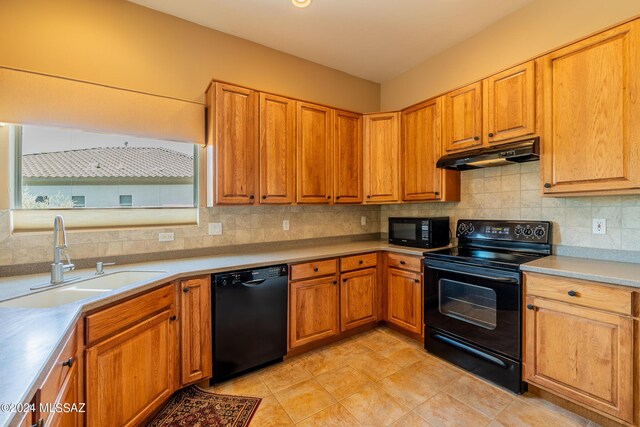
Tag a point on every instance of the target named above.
point(30, 338)
point(612, 272)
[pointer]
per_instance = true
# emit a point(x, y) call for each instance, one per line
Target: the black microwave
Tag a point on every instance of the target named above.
point(419, 232)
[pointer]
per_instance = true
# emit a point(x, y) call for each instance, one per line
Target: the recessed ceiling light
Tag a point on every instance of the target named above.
point(301, 3)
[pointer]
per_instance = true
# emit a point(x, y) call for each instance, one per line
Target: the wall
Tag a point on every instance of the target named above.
point(118, 43)
point(513, 192)
point(541, 26)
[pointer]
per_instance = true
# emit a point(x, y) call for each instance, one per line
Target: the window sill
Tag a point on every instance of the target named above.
point(24, 220)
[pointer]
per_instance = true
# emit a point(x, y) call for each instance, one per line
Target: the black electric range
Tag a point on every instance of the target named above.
point(473, 296)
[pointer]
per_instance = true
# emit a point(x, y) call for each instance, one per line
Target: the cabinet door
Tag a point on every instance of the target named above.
point(592, 113)
point(462, 120)
point(404, 299)
point(132, 374)
point(347, 157)
point(382, 158)
point(277, 149)
point(314, 159)
point(195, 329)
point(313, 310)
point(233, 113)
point(358, 298)
point(582, 354)
point(69, 395)
point(510, 103)
point(421, 142)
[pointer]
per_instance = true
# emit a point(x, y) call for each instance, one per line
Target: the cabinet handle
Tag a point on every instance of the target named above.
point(490, 134)
point(68, 362)
point(530, 307)
point(185, 290)
point(368, 197)
point(337, 197)
point(547, 185)
point(437, 193)
point(416, 280)
point(345, 280)
point(264, 197)
point(360, 262)
point(572, 293)
point(335, 282)
point(173, 318)
point(402, 262)
point(315, 269)
point(251, 197)
point(328, 197)
point(476, 138)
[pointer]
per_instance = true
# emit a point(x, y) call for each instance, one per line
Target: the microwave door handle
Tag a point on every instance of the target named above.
point(481, 276)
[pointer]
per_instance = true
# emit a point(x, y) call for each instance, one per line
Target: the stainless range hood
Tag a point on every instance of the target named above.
point(527, 150)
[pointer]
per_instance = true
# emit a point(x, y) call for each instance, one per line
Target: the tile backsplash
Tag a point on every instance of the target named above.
point(507, 192)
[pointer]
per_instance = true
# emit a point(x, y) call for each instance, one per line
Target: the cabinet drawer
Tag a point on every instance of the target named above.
point(314, 269)
point(355, 262)
point(60, 370)
point(404, 262)
point(581, 292)
point(113, 319)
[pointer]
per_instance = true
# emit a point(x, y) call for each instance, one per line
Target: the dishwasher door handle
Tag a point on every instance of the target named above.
point(252, 283)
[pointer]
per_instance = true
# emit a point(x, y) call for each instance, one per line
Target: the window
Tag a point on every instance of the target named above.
point(78, 201)
point(126, 200)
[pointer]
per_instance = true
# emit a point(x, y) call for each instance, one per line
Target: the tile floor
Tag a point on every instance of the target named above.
point(381, 378)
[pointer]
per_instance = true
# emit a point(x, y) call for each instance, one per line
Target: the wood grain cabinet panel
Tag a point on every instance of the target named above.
point(314, 143)
point(358, 298)
point(313, 310)
point(312, 269)
point(381, 158)
point(233, 133)
point(462, 118)
point(277, 149)
point(347, 157)
point(510, 103)
point(195, 329)
point(592, 114)
point(582, 354)
point(69, 395)
point(404, 299)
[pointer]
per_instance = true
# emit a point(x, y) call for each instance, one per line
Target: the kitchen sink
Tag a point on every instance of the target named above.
point(81, 289)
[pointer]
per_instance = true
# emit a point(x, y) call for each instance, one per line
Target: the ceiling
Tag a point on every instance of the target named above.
point(372, 39)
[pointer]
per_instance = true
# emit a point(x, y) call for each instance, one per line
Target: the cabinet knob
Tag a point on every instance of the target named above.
point(264, 197)
point(437, 193)
point(416, 280)
point(547, 185)
point(68, 362)
point(530, 307)
point(344, 280)
point(337, 197)
point(490, 134)
point(335, 282)
point(315, 269)
point(185, 290)
point(402, 262)
point(368, 197)
point(251, 197)
point(360, 262)
point(572, 293)
point(173, 318)
point(476, 138)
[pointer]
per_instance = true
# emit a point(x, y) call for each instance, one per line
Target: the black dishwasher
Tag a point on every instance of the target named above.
point(249, 320)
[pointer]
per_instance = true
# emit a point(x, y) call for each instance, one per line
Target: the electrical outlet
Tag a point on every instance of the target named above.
point(166, 237)
point(599, 226)
point(285, 225)
point(215, 228)
point(363, 220)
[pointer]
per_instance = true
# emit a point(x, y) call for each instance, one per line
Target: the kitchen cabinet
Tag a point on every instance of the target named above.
point(462, 118)
point(68, 397)
point(195, 329)
point(592, 115)
point(347, 157)
point(358, 298)
point(233, 134)
point(277, 149)
point(131, 367)
point(421, 145)
point(581, 351)
point(404, 305)
point(314, 144)
point(382, 158)
point(313, 310)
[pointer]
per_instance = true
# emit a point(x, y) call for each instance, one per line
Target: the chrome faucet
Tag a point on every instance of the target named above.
point(58, 268)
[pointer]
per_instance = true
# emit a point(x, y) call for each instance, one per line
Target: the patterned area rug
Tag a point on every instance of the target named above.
point(194, 407)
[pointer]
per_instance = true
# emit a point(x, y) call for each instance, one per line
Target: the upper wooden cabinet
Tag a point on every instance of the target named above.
point(592, 114)
point(381, 158)
point(314, 144)
point(420, 150)
point(233, 133)
point(462, 111)
point(347, 157)
point(510, 103)
point(277, 149)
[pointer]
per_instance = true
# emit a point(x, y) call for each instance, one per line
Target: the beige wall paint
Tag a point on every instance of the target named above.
point(537, 28)
point(118, 43)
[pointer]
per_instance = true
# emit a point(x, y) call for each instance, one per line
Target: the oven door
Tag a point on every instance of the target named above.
point(476, 304)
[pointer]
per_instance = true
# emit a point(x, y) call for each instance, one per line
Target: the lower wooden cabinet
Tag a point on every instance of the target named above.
point(358, 298)
point(313, 310)
point(69, 396)
point(404, 299)
point(195, 329)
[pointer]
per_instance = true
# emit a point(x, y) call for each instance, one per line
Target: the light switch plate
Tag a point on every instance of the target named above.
point(599, 226)
point(363, 220)
point(215, 228)
point(285, 224)
point(166, 237)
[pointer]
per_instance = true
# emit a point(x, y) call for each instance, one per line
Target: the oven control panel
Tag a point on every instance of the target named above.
point(528, 231)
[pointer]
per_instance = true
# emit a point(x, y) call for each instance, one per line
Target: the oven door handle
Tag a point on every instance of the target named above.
point(470, 350)
point(481, 276)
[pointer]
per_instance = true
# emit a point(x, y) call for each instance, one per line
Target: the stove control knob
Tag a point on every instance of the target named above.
point(462, 228)
point(528, 232)
point(519, 229)
point(539, 231)
point(470, 228)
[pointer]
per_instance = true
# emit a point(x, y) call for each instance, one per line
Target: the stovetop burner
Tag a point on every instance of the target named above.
point(484, 257)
